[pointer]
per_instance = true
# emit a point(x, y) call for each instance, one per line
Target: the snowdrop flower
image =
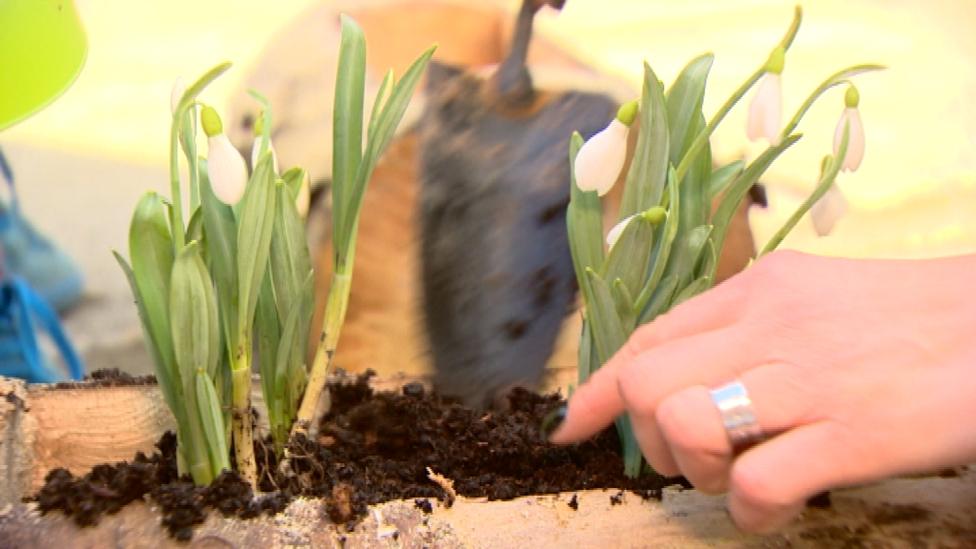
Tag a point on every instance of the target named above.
point(256, 146)
point(225, 165)
point(826, 211)
point(614, 234)
point(855, 140)
point(766, 109)
point(600, 159)
point(179, 88)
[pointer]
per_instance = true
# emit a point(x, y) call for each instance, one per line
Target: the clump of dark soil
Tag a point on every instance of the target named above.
point(108, 377)
point(371, 448)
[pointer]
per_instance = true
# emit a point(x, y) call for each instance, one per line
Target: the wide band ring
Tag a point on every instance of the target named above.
point(738, 416)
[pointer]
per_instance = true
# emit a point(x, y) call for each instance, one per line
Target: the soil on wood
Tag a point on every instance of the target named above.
point(371, 448)
point(108, 377)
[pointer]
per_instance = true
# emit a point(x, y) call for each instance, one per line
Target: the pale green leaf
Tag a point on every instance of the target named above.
point(254, 228)
point(722, 177)
point(648, 172)
point(211, 418)
point(347, 120)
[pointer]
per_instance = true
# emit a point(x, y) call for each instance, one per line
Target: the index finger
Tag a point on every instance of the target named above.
point(596, 403)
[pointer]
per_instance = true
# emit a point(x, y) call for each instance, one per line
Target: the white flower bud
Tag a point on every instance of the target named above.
point(766, 110)
point(855, 139)
point(226, 169)
point(600, 160)
point(826, 211)
point(614, 234)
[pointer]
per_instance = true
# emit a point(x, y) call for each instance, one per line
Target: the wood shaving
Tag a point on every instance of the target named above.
point(445, 483)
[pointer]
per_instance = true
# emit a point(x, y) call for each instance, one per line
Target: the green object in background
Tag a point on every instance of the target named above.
point(42, 50)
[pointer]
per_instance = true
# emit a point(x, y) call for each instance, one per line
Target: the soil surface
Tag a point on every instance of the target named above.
point(371, 447)
point(108, 377)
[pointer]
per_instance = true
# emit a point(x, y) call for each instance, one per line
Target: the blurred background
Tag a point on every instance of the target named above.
point(83, 162)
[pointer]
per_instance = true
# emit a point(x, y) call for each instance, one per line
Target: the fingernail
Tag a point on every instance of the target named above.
point(552, 421)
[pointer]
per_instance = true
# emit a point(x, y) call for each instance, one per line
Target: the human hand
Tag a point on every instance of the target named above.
point(857, 370)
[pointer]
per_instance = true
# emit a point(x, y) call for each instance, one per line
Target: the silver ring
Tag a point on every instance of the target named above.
point(738, 416)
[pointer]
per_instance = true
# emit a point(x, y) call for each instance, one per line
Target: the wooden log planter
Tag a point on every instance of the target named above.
point(77, 427)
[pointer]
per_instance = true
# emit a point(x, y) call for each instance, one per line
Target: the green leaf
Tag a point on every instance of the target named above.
point(389, 118)
point(290, 362)
point(629, 259)
point(194, 229)
point(722, 177)
point(660, 299)
point(151, 252)
point(624, 301)
point(211, 418)
point(289, 260)
point(696, 287)
point(740, 188)
point(347, 120)
point(669, 231)
point(584, 223)
point(609, 334)
point(166, 375)
point(588, 361)
point(293, 181)
point(686, 262)
point(268, 334)
point(696, 202)
point(649, 168)
point(684, 100)
point(193, 310)
point(633, 458)
point(220, 227)
point(194, 90)
point(254, 229)
point(265, 121)
point(378, 102)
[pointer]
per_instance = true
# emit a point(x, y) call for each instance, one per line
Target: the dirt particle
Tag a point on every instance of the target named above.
point(617, 499)
point(424, 505)
point(573, 503)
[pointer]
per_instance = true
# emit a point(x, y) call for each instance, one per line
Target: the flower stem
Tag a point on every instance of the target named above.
point(826, 180)
point(702, 138)
point(335, 314)
point(176, 208)
point(243, 436)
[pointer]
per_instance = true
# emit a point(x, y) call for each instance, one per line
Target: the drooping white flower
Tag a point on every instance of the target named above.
point(225, 165)
point(766, 109)
point(826, 211)
point(613, 235)
point(855, 140)
point(601, 158)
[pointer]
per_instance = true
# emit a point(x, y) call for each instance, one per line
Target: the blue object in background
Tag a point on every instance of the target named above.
point(35, 279)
